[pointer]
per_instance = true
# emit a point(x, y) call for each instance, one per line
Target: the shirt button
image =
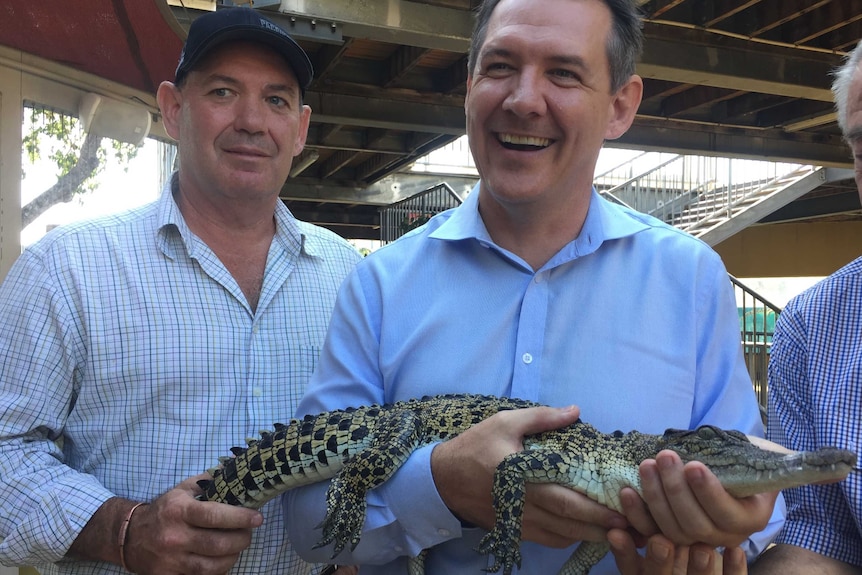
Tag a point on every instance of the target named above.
point(528, 359)
point(443, 532)
point(257, 392)
point(538, 279)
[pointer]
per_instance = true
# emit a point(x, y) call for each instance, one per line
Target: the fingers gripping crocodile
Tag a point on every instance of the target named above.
point(361, 448)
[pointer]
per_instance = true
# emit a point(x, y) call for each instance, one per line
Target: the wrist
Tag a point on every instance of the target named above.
point(444, 480)
point(123, 536)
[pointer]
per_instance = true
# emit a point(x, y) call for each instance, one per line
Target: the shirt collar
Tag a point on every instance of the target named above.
point(464, 222)
point(605, 221)
point(288, 233)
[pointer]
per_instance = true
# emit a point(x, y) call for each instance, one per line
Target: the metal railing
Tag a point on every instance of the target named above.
point(757, 317)
point(685, 190)
point(399, 218)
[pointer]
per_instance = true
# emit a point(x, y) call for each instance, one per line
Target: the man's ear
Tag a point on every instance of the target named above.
point(170, 101)
point(624, 106)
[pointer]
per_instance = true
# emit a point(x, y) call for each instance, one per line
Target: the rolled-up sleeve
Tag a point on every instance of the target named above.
point(45, 503)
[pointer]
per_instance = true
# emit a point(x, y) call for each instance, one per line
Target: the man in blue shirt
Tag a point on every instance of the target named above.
point(538, 288)
point(136, 350)
point(815, 386)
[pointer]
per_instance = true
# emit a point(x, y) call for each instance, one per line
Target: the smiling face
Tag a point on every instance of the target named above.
point(539, 105)
point(239, 122)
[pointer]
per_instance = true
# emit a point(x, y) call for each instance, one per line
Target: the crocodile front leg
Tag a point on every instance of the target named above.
point(509, 490)
point(591, 473)
point(397, 435)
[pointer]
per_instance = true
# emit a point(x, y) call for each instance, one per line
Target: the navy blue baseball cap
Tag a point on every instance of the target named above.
point(240, 23)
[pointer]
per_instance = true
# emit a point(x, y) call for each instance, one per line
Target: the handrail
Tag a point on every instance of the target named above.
point(399, 218)
point(757, 316)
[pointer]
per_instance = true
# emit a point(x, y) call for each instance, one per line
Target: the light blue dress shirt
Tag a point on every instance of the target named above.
point(129, 341)
point(634, 321)
point(815, 400)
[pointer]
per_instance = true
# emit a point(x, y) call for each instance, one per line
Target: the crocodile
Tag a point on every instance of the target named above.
point(361, 448)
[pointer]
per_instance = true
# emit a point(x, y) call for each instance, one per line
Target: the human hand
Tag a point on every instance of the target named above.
point(178, 534)
point(688, 505)
point(663, 558)
point(555, 516)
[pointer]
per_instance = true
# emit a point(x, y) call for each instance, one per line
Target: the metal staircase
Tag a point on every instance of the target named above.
point(711, 198)
point(731, 211)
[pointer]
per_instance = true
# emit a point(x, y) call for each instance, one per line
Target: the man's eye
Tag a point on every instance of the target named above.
point(496, 66)
point(277, 101)
point(568, 74)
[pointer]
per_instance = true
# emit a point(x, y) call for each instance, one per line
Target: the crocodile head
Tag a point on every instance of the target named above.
point(745, 468)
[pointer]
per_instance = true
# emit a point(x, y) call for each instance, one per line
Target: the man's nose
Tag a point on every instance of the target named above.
point(526, 96)
point(251, 115)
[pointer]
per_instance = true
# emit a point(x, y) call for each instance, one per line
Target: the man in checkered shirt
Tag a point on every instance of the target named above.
point(815, 392)
point(139, 348)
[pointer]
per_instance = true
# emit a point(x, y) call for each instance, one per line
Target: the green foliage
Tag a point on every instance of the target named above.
point(59, 138)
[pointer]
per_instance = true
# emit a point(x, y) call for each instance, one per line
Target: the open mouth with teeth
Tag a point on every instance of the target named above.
point(523, 143)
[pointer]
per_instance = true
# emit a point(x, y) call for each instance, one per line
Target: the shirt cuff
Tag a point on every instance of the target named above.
point(44, 532)
point(413, 484)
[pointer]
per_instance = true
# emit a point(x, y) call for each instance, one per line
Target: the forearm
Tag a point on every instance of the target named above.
point(99, 540)
point(784, 559)
point(45, 504)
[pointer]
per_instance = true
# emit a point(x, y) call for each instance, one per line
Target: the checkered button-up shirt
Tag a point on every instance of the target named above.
point(815, 400)
point(130, 360)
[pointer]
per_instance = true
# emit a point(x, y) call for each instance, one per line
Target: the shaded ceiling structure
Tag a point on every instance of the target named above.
point(745, 78)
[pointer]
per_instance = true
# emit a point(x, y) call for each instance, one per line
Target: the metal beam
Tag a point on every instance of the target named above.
point(326, 59)
point(722, 10)
point(671, 53)
point(393, 21)
point(402, 61)
point(386, 113)
point(817, 207)
point(336, 161)
point(772, 15)
point(648, 132)
point(696, 57)
point(693, 138)
point(698, 96)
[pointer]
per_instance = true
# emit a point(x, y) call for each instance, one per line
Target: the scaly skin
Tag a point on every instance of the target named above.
point(362, 448)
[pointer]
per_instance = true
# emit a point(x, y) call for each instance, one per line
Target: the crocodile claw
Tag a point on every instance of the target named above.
point(345, 514)
point(506, 554)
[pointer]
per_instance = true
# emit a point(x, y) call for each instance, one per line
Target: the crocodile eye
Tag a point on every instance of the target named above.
point(738, 435)
point(706, 432)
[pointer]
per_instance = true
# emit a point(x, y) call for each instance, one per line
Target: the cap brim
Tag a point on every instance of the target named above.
point(284, 45)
